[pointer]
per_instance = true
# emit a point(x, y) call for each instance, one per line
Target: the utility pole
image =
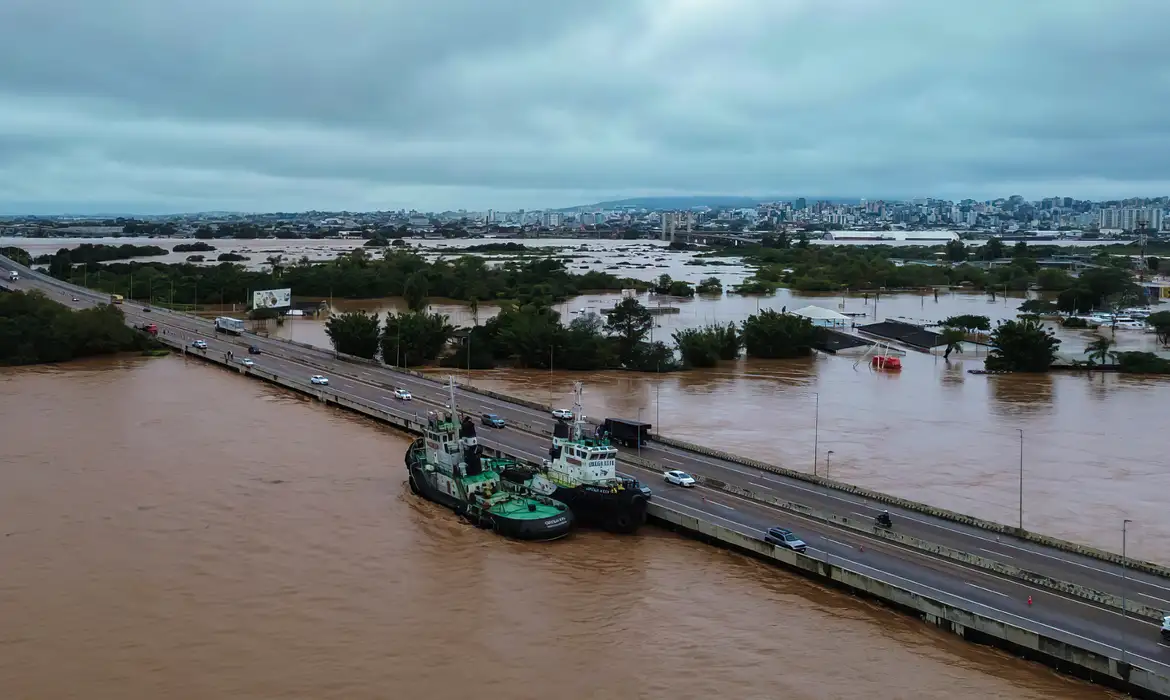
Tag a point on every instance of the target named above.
point(1142, 243)
point(1124, 582)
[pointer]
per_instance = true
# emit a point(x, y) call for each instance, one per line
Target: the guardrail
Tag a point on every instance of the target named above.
point(941, 551)
point(895, 501)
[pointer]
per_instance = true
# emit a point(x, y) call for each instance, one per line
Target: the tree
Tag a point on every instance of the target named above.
point(994, 249)
point(414, 338)
point(1152, 263)
point(354, 333)
point(1078, 300)
point(953, 338)
point(1160, 322)
point(1021, 346)
point(476, 353)
point(19, 255)
point(528, 335)
point(956, 251)
point(968, 322)
point(1053, 280)
point(772, 335)
point(711, 285)
point(584, 347)
point(1098, 350)
point(730, 341)
point(629, 322)
point(699, 347)
point(414, 291)
point(1037, 306)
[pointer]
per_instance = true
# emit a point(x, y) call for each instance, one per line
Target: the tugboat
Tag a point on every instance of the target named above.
point(582, 472)
point(447, 466)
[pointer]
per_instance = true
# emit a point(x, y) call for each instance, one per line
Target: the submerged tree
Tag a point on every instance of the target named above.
point(771, 335)
point(415, 338)
point(355, 333)
point(1021, 346)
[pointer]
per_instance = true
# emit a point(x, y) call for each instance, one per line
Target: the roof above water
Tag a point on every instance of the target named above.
point(820, 313)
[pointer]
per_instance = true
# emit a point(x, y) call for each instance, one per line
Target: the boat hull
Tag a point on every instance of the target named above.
point(622, 512)
point(423, 483)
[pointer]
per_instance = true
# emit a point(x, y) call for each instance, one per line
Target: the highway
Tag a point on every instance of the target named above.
point(1079, 622)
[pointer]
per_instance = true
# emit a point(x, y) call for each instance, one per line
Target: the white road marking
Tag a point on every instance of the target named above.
point(999, 554)
point(842, 544)
point(760, 485)
point(1161, 600)
point(988, 590)
point(717, 503)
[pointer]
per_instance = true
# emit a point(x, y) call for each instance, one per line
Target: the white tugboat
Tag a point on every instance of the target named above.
point(581, 472)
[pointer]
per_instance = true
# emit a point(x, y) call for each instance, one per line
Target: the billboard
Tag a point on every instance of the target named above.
point(272, 299)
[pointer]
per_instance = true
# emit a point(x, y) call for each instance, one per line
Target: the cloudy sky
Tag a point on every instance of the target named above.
point(157, 106)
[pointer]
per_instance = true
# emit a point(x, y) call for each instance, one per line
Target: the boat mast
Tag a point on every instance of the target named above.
point(451, 393)
point(578, 412)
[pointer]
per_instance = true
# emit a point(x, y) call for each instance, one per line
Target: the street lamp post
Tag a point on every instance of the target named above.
point(1021, 430)
point(639, 432)
point(816, 430)
point(1124, 581)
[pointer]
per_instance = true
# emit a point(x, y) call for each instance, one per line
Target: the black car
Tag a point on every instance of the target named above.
point(146, 309)
point(781, 537)
point(491, 420)
point(253, 349)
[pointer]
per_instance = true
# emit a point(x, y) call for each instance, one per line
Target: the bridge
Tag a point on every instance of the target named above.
point(708, 237)
point(1084, 611)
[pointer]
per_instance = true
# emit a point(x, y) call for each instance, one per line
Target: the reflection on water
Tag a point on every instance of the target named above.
point(201, 536)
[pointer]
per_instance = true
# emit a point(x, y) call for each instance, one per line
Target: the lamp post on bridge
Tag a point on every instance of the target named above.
point(1021, 431)
point(1124, 581)
point(816, 430)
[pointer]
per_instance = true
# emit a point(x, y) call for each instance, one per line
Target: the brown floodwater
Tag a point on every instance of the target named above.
point(932, 432)
point(173, 531)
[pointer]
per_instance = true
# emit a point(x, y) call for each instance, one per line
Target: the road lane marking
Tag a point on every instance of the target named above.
point(760, 485)
point(1147, 595)
point(988, 590)
point(842, 544)
point(717, 503)
point(1001, 554)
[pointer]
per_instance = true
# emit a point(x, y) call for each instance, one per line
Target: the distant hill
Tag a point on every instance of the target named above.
point(713, 201)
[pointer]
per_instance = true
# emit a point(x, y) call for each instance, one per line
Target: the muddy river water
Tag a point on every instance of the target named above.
point(174, 531)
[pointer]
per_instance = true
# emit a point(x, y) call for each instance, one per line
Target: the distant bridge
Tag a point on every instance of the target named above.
point(706, 237)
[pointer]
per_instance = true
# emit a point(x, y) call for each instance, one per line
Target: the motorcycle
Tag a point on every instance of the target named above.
point(884, 523)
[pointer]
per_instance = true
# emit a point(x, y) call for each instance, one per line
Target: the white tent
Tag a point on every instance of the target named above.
point(821, 316)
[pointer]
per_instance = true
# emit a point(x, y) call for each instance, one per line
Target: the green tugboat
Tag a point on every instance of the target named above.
point(447, 466)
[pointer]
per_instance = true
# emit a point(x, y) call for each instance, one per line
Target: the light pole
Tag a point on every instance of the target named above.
point(1021, 430)
point(828, 462)
point(639, 432)
point(551, 358)
point(816, 430)
point(657, 405)
point(1124, 581)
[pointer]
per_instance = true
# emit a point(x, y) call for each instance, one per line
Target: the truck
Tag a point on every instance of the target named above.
point(225, 324)
point(150, 328)
point(13, 276)
point(116, 298)
point(630, 433)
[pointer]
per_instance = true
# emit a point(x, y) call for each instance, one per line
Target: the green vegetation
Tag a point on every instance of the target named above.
point(196, 247)
point(1099, 288)
point(19, 255)
point(231, 257)
point(1021, 346)
point(674, 288)
point(1160, 321)
point(953, 339)
point(414, 338)
point(1039, 307)
point(34, 329)
point(704, 347)
point(90, 254)
point(968, 323)
point(1142, 363)
point(1074, 322)
point(711, 285)
point(355, 275)
point(1099, 351)
point(354, 333)
point(772, 335)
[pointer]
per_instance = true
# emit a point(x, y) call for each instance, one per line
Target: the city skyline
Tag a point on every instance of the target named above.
point(514, 105)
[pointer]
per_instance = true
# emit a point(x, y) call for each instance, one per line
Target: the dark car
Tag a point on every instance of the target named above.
point(782, 537)
point(146, 309)
point(491, 420)
point(253, 349)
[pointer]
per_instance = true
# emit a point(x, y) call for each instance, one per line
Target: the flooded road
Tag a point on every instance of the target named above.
point(172, 530)
point(931, 433)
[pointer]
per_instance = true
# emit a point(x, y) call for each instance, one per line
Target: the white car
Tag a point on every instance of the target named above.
point(679, 478)
point(318, 379)
point(201, 344)
point(562, 414)
point(402, 394)
point(247, 362)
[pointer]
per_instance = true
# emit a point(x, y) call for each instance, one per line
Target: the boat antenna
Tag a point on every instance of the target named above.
point(451, 392)
point(578, 411)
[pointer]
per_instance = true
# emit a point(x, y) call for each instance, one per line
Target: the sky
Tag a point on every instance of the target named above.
point(159, 106)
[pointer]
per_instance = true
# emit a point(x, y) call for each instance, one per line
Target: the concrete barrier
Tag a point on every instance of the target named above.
point(973, 626)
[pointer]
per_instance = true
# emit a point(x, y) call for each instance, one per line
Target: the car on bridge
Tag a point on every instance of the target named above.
point(199, 344)
point(146, 309)
point(562, 414)
point(247, 362)
point(678, 478)
point(1166, 628)
point(254, 349)
point(491, 420)
point(402, 394)
point(782, 537)
point(318, 379)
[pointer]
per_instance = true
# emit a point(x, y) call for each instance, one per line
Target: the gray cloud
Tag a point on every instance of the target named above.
point(157, 105)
